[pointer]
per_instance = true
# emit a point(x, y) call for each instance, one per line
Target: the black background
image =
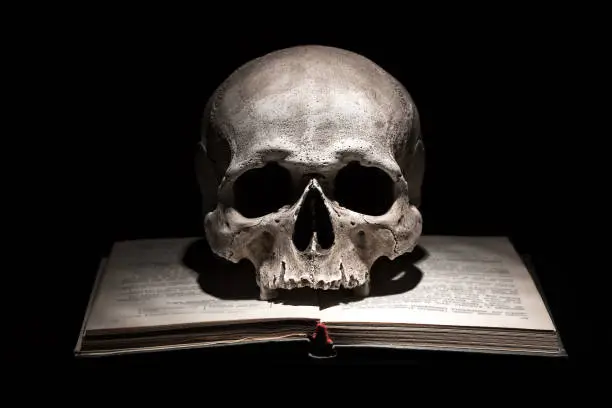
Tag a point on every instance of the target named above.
point(492, 116)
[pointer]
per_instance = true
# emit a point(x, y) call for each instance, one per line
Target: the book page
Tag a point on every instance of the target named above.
point(463, 281)
point(150, 283)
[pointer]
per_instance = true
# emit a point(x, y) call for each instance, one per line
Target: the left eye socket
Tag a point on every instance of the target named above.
point(264, 190)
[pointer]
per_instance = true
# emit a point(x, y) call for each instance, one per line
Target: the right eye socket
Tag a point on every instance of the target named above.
point(366, 190)
point(263, 190)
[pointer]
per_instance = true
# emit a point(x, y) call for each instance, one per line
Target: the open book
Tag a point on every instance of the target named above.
point(451, 293)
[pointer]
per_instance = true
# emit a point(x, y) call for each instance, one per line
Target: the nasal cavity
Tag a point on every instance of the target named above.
point(312, 218)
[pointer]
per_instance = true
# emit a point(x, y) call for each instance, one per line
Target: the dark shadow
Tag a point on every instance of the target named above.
point(229, 281)
point(297, 297)
point(219, 277)
point(387, 277)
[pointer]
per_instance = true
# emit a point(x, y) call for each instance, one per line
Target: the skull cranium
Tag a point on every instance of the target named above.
point(311, 168)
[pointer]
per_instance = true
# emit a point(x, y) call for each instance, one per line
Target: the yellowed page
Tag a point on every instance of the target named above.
point(464, 281)
point(147, 283)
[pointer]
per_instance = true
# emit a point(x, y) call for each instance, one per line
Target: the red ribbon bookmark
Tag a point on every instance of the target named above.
point(321, 345)
point(321, 330)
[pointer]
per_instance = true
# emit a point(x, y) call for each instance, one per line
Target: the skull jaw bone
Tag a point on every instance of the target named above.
point(359, 241)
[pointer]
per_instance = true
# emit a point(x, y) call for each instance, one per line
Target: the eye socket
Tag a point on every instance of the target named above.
point(366, 190)
point(263, 190)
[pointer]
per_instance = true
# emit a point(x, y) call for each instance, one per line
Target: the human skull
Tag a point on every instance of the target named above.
point(311, 168)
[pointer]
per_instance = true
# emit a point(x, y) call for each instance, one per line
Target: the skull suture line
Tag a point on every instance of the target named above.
point(311, 168)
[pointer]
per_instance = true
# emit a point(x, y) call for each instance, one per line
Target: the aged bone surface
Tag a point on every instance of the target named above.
point(315, 161)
